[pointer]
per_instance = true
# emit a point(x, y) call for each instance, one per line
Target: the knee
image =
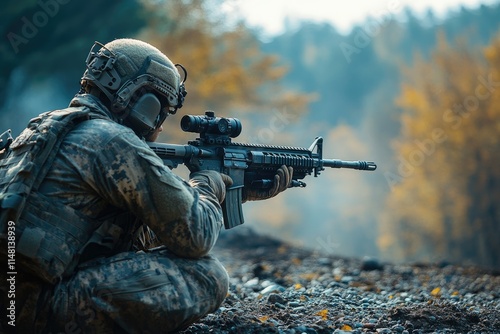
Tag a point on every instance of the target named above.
point(221, 281)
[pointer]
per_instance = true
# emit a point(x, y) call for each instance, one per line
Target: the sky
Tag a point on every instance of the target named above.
point(269, 15)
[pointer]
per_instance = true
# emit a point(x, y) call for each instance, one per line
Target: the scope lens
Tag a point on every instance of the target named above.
point(234, 127)
point(189, 123)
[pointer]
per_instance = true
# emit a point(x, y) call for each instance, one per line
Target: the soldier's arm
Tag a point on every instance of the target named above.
point(186, 217)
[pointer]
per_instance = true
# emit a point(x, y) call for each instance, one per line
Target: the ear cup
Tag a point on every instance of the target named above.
point(144, 113)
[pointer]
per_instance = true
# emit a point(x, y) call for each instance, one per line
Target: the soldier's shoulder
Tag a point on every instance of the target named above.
point(102, 129)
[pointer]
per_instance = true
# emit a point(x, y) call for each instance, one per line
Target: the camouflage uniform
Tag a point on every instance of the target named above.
point(104, 170)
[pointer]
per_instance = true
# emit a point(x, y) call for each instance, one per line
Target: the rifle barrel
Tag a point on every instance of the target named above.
point(361, 165)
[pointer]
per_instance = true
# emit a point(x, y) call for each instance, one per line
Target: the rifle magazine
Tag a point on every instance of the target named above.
point(232, 208)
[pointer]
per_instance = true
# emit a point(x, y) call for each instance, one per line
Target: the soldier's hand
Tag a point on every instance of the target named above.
point(215, 180)
point(282, 181)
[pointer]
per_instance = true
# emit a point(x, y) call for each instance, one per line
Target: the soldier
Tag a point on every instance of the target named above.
point(83, 188)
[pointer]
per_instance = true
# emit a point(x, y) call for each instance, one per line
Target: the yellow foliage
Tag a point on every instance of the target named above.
point(444, 206)
point(346, 328)
point(323, 314)
point(436, 292)
point(263, 318)
point(225, 64)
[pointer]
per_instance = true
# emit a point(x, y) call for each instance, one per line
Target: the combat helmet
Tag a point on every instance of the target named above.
point(138, 83)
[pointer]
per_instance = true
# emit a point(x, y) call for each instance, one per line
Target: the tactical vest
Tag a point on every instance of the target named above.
point(50, 236)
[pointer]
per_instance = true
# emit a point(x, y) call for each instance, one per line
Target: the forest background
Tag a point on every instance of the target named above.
point(416, 94)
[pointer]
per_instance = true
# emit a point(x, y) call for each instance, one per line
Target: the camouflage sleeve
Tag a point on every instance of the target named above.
point(186, 217)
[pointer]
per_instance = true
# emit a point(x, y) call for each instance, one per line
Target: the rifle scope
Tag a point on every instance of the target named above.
point(211, 125)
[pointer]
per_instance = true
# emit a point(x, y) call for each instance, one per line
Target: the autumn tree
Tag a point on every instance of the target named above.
point(443, 203)
point(227, 70)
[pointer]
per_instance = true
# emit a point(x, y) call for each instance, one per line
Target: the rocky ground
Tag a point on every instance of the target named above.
point(277, 288)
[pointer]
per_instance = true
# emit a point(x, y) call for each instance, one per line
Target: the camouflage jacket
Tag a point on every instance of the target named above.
point(104, 173)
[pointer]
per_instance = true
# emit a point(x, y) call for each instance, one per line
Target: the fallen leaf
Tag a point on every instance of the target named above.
point(436, 292)
point(346, 328)
point(264, 318)
point(323, 314)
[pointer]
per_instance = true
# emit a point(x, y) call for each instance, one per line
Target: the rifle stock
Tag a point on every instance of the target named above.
point(249, 165)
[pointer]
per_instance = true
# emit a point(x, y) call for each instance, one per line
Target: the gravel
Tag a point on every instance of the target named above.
point(278, 288)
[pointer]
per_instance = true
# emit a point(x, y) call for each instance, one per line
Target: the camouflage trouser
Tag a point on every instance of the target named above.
point(137, 293)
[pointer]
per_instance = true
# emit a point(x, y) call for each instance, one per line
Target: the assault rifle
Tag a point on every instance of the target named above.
point(249, 165)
